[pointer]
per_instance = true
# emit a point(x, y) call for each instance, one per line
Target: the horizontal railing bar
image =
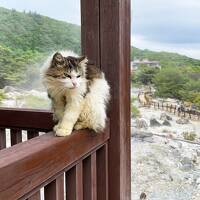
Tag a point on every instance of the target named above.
point(70, 166)
point(27, 165)
point(26, 118)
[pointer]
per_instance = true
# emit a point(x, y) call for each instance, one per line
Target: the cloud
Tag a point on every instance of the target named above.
point(171, 25)
point(168, 21)
point(66, 10)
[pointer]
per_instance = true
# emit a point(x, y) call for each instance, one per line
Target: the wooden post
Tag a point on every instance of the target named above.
point(106, 41)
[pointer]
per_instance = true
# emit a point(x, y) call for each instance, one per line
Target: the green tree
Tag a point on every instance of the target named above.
point(145, 74)
point(169, 82)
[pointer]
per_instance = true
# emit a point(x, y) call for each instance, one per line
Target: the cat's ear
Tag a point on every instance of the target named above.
point(58, 58)
point(82, 60)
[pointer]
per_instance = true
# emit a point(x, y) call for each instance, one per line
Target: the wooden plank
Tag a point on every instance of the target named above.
point(2, 138)
point(90, 30)
point(35, 196)
point(114, 34)
point(16, 136)
point(55, 189)
point(79, 181)
point(115, 61)
point(26, 118)
point(90, 178)
point(39, 159)
point(74, 183)
point(32, 133)
point(102, 173)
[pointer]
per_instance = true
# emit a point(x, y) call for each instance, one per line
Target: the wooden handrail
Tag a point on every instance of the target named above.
point(26, 118)
point(28, 166)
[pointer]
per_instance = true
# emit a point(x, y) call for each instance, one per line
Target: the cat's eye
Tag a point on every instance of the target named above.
point(68, 76)
point(78, 76)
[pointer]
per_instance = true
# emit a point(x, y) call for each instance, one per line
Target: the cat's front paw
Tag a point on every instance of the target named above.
point(61, 132)
point(55, 127)
point(79, 126)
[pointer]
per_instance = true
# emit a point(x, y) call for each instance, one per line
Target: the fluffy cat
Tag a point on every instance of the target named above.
point(79, 94)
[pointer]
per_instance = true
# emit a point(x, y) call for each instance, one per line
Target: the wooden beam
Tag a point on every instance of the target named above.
point(29, 165)
point(26, 118)
point(115, 61)
point(55, 189)
point(90, 30)
point(114, 46)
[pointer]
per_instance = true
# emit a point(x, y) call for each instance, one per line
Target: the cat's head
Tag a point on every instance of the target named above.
point(68, 70)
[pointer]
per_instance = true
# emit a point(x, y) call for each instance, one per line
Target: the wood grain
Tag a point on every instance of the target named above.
point(26, 119)
point(30, 164)
point(55, 189)
point(113, 31)
point(74, 183)
point(2, 138)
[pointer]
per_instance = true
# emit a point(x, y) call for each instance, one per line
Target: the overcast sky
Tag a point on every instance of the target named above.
point(172, 25)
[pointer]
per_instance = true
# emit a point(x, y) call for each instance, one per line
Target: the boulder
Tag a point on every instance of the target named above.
point(166, 123)
point(182, 121)
point(175, 144)
point(141, 134)
point(164, 117)
point(154, 122)
point(187, 164)
point(141, 123)
point(8, 89)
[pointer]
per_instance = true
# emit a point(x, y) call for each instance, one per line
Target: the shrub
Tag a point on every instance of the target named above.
point(189, 136)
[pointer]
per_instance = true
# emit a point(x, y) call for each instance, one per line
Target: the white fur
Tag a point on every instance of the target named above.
point(78, 112)
point(93, 114)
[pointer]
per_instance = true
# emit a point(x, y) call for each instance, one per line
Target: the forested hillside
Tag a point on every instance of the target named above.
point(27, 38)
point(166, 59)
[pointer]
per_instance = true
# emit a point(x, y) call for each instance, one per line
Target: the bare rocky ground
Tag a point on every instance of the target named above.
point(165, 166)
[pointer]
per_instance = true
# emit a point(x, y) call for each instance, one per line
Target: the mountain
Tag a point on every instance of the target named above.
point(31, 31)
point(166, 59)
point(26, 39)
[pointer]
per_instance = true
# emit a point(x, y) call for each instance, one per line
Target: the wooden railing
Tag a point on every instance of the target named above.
point(175, 109)
point(49, 167)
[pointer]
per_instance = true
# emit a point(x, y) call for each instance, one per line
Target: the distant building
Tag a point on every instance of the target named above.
point(145, 62)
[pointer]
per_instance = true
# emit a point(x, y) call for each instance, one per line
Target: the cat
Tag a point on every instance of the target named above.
point(79, 94)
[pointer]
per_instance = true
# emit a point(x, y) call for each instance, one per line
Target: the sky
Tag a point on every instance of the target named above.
point(172, 25)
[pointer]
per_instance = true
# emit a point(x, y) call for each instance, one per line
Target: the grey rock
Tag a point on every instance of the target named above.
point(166, 123)
point(187, 164)
point(198, 181)
point(141, 134)
point(182, 121)
point(164, 117)
point(141, 123)
point(175, 144)
point(154, 122)
point(7, 89)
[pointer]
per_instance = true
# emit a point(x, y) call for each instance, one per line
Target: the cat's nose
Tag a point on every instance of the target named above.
point(74, 84)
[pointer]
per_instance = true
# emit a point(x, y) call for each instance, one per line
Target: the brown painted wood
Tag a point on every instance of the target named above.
point(16, 136)
point(35, 196)
point(26, 118)
point(71, 184)
point(115, 61)
point(90, 30)
point(39, 159)
point(79, 181)
point(114, 27)
point(55, 189)
point(32, 133)
point(102, 173)
point(74, 183)
point(2, 138)
point(90, 178)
